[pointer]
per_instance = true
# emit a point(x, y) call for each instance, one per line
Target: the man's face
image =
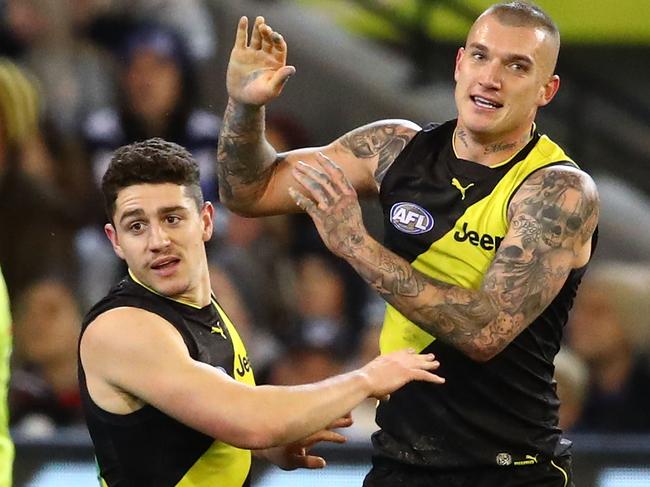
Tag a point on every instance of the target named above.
point(595, 332)
point(161, 235)
point(153, 84)
point(503, 75)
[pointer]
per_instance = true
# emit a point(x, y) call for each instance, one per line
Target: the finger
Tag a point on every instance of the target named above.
point(342, 422)
point(309, 461)
point(256, 36)
point(425, 376)
point(241, 38)
point(267, 39)
point(324, 435)
point(303, 202)
point(336, 173)
point(280, 77)
point(279, 47)
point(306, 176)
point(323, 179)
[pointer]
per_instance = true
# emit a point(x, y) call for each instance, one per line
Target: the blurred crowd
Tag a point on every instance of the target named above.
point(80, 78)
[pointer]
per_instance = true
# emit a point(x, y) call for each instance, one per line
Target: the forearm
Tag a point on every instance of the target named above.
point(244, 158)
point(291, 413)
point(456, 315)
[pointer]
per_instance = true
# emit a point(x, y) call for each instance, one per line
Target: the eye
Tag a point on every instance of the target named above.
point(172, 219)
point(479, 56)
point(136, 227)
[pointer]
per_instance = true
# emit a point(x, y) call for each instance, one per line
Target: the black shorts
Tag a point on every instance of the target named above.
point(552, 473)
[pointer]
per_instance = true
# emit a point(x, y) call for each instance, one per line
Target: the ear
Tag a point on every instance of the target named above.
point(459, 57)
point(207, 220)
point(548, 91)
point(111, 233)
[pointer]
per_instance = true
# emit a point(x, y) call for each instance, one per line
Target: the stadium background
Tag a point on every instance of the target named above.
point(362, 60)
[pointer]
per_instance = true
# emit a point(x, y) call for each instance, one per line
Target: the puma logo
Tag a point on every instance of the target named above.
point(456, 184)
point(217, 329)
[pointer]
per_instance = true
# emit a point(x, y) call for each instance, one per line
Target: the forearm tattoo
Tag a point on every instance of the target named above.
point(551, 218)
point(244, 159)
point(382, 141)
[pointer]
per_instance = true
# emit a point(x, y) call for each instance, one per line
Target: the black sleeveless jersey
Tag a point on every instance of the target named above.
point(147, 448)
point(447, 217)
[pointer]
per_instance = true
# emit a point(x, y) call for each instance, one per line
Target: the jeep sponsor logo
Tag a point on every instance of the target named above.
point(485, 241)
point(410, 218)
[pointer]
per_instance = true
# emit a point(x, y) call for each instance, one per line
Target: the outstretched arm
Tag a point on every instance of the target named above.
point(123, 369)
point(551, 220)
point(253, 177)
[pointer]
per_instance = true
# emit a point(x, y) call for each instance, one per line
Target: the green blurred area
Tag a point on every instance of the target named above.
point(590, 22)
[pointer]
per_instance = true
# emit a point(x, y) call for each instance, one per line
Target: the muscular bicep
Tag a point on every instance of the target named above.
point(364, 154)
point(551, 220)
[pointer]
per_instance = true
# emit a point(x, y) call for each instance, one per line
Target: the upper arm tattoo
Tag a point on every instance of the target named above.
point(552, 217)
point(384, 142)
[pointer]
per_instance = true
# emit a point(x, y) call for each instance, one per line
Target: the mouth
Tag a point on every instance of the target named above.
point(165, 265)
point(485, 103)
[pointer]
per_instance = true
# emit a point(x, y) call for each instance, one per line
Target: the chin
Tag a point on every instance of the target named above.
point(169, 287)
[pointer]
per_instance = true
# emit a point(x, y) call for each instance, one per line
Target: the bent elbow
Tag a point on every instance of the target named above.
point(481, 354)
point(237, 205)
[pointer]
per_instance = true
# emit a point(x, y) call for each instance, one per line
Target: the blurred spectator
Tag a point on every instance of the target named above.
point(105, 19)
point(44, 392)
point(157, 98)
point(259, 267)
point(622, 239)
point(43, 37)
point(262, 346)
point(572, 379)
point(316, 345)
point(39, 220)
point(609, 329)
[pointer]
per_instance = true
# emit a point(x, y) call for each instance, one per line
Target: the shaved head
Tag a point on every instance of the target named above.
point(524, 14)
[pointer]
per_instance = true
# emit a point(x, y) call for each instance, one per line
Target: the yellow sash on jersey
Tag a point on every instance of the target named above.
point(461, 264)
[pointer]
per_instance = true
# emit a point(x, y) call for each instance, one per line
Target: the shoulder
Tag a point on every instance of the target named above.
point(389, 127)
point(559, 205)
point(125, 331)
point(558, 182)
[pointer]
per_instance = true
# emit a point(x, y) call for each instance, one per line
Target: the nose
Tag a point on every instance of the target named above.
point(158, 238)
point(490, 76)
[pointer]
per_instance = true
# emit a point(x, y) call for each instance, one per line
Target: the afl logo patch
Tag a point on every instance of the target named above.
point(410, 218)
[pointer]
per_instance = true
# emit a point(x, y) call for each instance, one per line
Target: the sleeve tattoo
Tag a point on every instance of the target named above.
point(384, 142)
point(245, 160)
point(552, 217)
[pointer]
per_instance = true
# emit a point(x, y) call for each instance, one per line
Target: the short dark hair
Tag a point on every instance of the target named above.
point(151, 161)
point(520, 13)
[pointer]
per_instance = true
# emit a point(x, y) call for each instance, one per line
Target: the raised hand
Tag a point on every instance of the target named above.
point(332, 203)
point(389, 372)
point(257, 71)
point(296, 454)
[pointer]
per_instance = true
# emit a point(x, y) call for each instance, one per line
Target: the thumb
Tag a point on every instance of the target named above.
point(281, 76)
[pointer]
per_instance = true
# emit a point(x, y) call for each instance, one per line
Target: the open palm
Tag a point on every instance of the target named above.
point(257, 71)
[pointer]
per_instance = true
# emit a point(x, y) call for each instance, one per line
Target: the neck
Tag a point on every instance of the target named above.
point(489, 150)
point(197, 295)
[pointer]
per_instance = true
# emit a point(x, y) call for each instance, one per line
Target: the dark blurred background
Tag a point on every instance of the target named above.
point(79, 78)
